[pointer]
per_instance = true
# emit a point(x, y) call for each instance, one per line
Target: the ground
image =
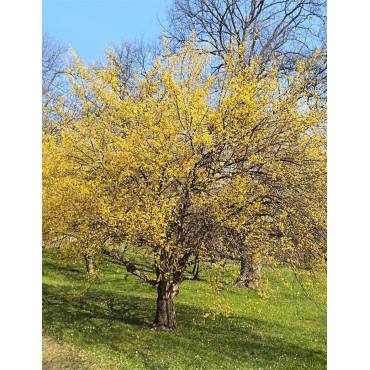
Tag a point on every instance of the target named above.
point(105, 324)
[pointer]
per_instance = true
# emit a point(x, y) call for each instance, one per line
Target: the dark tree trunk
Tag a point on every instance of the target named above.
point(250, 274)
point(196, 268)
point(89, 264)
point(165, 318)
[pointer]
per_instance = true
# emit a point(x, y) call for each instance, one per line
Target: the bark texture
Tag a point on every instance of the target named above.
point(250, 274)
point(89, 264)
point(165, 318)
point(196, 269)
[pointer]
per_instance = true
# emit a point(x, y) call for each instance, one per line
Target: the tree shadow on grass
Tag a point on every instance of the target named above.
point(74, 272)
point(71, 308)
point(112, 319)
point(116, 312)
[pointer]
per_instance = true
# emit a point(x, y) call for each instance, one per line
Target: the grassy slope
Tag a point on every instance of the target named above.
point(105, 325)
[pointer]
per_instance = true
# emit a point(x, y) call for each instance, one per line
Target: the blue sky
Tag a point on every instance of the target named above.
point(87, 25)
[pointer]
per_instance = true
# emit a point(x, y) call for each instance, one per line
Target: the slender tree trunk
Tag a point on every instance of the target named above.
point(250, 274)
point(165, 318)
point(89, 264)
point(196, 268)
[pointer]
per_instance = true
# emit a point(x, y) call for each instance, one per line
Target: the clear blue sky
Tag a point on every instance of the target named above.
point(87, 25)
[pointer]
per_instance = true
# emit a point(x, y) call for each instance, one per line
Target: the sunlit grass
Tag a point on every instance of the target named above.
point(104, 324)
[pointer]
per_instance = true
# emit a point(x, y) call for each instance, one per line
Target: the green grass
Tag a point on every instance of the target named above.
point(104, 325)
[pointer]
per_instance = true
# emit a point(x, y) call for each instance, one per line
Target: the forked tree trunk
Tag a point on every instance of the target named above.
point(89, 264)
point(250, 274)
point(165, 318)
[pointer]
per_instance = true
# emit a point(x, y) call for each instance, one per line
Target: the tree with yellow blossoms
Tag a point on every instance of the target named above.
point(187, 164)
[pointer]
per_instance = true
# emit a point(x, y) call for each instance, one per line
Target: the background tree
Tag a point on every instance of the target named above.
point(288, 29)
point(54, 81)
point(53, 67)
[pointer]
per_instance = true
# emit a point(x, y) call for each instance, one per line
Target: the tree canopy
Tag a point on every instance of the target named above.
point(185, 163)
